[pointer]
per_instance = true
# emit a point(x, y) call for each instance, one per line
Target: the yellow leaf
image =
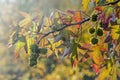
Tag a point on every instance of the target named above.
point(26, 22)
point(19, 45)
point(96, 55)
point(118, 3)
point(96, 1)
point(29, 41)
point(108, 1)
point(85, 4)
point(115, 28)
point(105, 72)
point(114, 72)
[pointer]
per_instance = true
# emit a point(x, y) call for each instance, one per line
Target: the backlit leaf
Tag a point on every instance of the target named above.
point(85, 4)
point(27, 22)
point(29, 41)
point(105, 73)
point(96, 55)
point(77, 17)
point(114, 32)
point(95, 68)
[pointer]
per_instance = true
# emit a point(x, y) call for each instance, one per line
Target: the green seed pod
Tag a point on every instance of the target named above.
point(101, 24)
point(91, 30)
point(94, 17)
point(33, 62)
point(33, 59)
point(99, 32)
point(94, 40)
point(43, 50)
point(34, 48)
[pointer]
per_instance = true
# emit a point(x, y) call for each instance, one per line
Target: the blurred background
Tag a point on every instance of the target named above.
point(48, 69)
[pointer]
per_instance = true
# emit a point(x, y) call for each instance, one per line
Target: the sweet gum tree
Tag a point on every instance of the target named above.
point(91, 34)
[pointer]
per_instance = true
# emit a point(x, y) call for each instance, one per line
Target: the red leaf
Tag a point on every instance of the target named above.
point(99, 8)
point(95, 68)
point(15, 55)
point(77, 18)
point(75, 63)
point(103, 49)
point(24, 14)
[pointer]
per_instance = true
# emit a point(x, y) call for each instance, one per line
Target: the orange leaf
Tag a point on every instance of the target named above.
point(24, 14)
point(95, 68)
point(75, 63)
point(99, 8)
point(77, 18)
point(96, 55)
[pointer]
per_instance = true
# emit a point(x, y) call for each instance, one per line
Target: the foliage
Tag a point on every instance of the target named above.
point(93, 39)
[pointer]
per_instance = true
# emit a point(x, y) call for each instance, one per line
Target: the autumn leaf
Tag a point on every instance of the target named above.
point(105, 72)
point(75, 63)
point(18, 46)
point(99, 8)
point(24, 14)
point(85, 4)
point(96, 55)
point(29, 42)
point(13, 38)
point(95, 68)
point(16, 55)
point(114, 72)
point(115, 31)
point(27, 21)
point(77, 17)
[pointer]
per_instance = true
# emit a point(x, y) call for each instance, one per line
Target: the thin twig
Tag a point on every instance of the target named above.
point(65, 26)
point(112, 3)
point(78, 23)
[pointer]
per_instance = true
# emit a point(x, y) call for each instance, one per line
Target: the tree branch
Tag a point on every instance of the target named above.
point(112, 3)
point(78, 23)
point(65, 26)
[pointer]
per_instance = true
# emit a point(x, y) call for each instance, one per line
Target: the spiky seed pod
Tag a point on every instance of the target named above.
point(99, 32)
point(94, 17)
point(34, 48)
point(94, 40)
point(91, 30)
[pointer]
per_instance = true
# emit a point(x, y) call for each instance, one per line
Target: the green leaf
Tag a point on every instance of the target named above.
point(118, 21)
point(74, 51)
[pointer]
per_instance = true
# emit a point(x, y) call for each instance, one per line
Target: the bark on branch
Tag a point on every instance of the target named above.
point(78, 23)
